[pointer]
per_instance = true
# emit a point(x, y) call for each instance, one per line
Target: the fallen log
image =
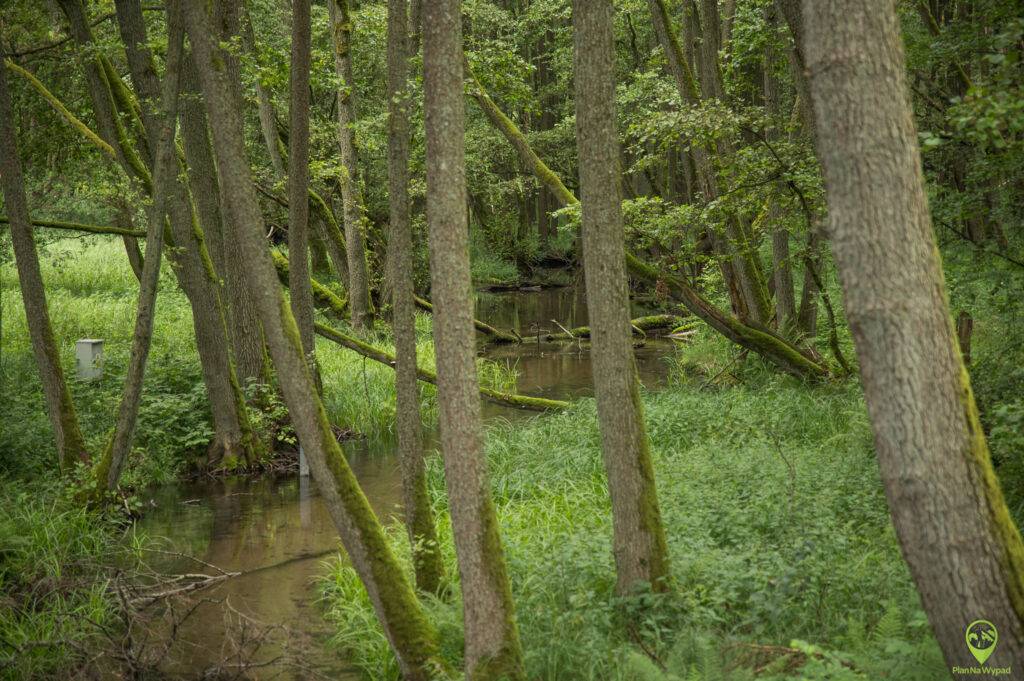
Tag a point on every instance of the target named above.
point(323, 297)
point(640, 325)
point(427, 376)
point(494, 334)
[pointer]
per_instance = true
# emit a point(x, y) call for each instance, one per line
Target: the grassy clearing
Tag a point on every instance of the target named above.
point(92, 293)
point(778, 531)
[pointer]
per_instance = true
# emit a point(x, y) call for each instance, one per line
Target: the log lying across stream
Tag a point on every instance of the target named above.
point(387, 359)
point(640, 326)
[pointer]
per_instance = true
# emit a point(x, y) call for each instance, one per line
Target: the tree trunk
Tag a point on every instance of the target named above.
point(131, 244)
point(964, 551)
point(419, 517)
point(243, 326)
point(359, 285)
point(59, 406)
point(641, 556)
point(264, 105)
point(164, 170)
point(298, 178)
point(782, 269)
point(492, 649)
point(741, 270)
point(411, 635)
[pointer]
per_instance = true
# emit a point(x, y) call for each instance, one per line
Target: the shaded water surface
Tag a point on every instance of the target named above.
point(277, 533)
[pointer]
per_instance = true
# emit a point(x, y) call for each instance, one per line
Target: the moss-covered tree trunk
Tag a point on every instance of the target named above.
point(164, 170)
point(411, 635)
point(59, 406)
point(782, 268)
point(298, 178)
point(355, 247)
point(492, 649)
point(641, 555)
point(419, 517)
point(964, 551)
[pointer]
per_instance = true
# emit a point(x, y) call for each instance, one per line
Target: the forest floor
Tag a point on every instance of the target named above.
point(783, 557)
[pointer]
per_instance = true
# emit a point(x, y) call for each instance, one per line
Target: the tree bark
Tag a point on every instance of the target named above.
point(59, 406)
point(411, 635)
point(964, 551)
point(112, 463)
point(641, 555)
point(492, 648)
point(298, 179)
point(782, 268)
point(359, 284)
point(243, 325)
point(419, 516)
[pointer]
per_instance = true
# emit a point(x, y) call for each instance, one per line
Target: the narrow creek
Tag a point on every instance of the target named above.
point(277, 533)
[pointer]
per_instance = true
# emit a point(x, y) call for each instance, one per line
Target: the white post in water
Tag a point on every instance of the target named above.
point(303, 464)
point(89, 358)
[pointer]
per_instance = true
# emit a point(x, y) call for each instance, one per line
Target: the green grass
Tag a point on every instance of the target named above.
point(777, 527)
point(92, 293)
point(56, 563)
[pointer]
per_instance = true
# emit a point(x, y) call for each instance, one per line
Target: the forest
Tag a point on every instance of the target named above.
point(631, 340)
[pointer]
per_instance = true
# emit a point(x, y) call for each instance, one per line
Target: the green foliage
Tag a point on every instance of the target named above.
point(56, 563)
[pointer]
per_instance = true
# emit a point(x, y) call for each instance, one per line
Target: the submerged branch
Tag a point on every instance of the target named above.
point(496, 335)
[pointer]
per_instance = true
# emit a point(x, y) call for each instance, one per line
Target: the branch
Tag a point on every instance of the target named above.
point(79, 227)
point(59, 107)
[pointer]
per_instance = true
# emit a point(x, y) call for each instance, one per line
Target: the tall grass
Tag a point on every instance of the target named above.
point(92, 293)
point(776, 521)
point(56, 562)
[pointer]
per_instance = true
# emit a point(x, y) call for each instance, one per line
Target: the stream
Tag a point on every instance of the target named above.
point(277, 533)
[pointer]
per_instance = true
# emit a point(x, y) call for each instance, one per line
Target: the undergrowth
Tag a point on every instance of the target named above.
point(56, 562)
point(782, 549)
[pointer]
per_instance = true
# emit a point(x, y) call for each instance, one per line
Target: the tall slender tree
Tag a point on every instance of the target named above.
point(164, 170)
point(410, 634)
point(492, 649)
point(59, 405)
point(419, 518)
point(641, 555)
point(782, 269)
point(964, 551)
point(298, 178)
point(355, 241)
